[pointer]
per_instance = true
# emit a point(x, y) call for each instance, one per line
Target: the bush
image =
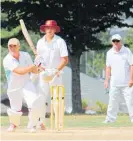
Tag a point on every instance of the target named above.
point(102, 108)
point(84, 103)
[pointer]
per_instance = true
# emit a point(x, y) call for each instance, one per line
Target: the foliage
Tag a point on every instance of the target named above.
point(84, 103)
point(80, 21)
point(97, 59)
point(4, 51)
point(129, 39)
point(2, 75)
point(102, 108)
point(97, 62)
point(14, 32)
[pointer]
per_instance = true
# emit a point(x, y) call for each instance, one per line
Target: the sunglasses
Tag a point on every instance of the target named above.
point(115, 41)
point(12, 45)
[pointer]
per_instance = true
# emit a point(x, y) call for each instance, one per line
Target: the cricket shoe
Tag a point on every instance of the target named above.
point(108, 121)
point(30, 130)
point(11, 128)
point(41, 126)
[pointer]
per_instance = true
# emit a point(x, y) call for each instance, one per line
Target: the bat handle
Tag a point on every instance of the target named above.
point(35, 53)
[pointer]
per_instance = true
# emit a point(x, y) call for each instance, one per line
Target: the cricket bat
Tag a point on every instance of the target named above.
point(27, 36)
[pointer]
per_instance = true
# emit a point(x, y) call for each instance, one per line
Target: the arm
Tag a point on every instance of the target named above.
point(130, 61)
point(63, 63)
point(131, 76)
point(107, 77)
point(63, 55)
point(107, 73)
point(24, 70)
point(29, 68)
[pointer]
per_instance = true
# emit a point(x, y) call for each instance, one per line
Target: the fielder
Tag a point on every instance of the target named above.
point(18, 65)
point(53, 49)
point(119, 70)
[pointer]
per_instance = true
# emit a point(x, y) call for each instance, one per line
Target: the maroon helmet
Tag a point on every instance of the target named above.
point(50, 23)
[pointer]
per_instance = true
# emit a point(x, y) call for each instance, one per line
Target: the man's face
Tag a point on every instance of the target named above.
point(116, 43)
point(50, 31)
point(13, 48)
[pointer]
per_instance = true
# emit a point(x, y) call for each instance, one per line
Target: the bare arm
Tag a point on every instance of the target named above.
point(131, 76)
point(107, 77)
point(24, 70)
point(131, 72)
point(108, 73)
point(63, 63)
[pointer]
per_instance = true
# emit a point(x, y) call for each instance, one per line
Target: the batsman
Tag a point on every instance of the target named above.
point(53, 49)
point(18, 66)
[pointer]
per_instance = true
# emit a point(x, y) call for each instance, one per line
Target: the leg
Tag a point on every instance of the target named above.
point(34, 103)
point(43, 90)
point(14, 112)
point(113, 106)
point(128, 95)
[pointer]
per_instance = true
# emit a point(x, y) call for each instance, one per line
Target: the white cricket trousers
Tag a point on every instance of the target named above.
point(43, 89)
point(29, 94)
point(114, 99)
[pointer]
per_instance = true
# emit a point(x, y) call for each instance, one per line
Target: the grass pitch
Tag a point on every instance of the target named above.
point(81, 121)
point(77, 127)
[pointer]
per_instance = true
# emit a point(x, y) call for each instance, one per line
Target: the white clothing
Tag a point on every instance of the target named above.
point(16, 81)
point(28, 93)
point(120, 63)
point(51, 53)
point(114, 100)
point(19, 87)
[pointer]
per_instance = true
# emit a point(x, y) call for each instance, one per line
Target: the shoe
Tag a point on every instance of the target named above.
point(132, 121)
point(33, 130)
point(41, 126)
point(30, 130)
point(108, 121)
point(11, 128)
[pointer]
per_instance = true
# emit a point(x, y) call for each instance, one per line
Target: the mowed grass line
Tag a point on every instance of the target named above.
point(81, 121)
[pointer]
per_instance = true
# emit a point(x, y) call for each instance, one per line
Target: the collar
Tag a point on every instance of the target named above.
point(53, 40)
point(120, 51)
point(13, 57)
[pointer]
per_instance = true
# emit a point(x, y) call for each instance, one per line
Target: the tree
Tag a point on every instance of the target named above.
point(129, 39)
point(80, 20)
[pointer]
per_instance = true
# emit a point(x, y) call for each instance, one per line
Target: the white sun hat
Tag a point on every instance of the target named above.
point(116, 37)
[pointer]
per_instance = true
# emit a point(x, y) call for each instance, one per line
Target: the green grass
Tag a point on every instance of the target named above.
point(82, 121)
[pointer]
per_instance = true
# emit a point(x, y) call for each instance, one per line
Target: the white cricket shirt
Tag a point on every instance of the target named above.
point(53, 51)
point(16, 81)
point(120, 63)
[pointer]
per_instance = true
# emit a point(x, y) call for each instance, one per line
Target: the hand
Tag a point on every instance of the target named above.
point(35, 69)
point(39, 60)
point(130, 84)
point(57, 73)
point(106, 84)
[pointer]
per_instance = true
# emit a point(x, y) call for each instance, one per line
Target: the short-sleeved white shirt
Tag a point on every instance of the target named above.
point(53, 51)
point(120, 63)
point(16, 81)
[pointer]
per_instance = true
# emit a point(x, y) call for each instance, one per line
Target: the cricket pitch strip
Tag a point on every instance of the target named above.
point(106, 133)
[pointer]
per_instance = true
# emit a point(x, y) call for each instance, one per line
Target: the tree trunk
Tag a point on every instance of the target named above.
point(76, 91)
